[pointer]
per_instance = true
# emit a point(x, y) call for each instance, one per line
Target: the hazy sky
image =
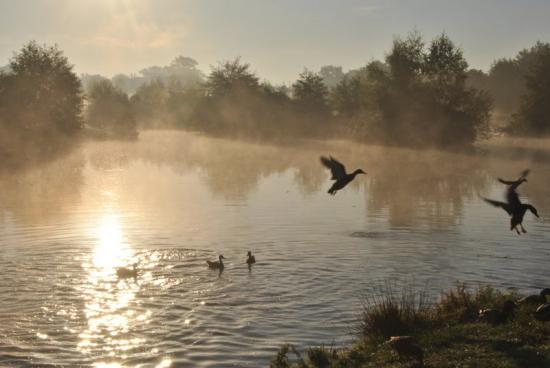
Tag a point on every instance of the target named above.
point(278, 37)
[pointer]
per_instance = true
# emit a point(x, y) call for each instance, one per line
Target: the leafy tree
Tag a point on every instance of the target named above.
point(127, 83)
point(419, 97)
point(534, 112)
point(40, 94)
point(310, 93)
point(109, 110)
point(180, 105)
point(229, 77)
point(346, 97)
point(149, 104)
point(406, 59)
point(275, 94)
point(476, 78)
point(444, 63)
point(332, 75)
point(88, 80)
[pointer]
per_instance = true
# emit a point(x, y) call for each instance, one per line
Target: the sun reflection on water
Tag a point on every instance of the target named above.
point(111, 249)
point(110, 305)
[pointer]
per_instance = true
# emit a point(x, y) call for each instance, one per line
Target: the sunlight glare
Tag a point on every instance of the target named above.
point(110, 251)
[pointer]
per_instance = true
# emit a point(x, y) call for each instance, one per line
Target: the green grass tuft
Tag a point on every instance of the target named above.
point(449, 333)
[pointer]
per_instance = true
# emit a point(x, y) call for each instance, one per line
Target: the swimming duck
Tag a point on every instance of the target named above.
point(543, 313)
point(218, 265)
point(250, 260)
point(407, 346)
point(126, 273)
point(513, 205)
point(536, 299)
point(338, 171)
point(498, 315)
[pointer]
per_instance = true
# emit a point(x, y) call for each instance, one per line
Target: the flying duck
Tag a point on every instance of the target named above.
point(218, 265)
point(338, 171)
point(513, 205)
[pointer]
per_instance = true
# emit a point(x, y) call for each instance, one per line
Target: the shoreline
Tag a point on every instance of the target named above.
point(459, 330)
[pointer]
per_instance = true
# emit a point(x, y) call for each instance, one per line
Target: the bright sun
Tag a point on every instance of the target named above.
point(110, 250)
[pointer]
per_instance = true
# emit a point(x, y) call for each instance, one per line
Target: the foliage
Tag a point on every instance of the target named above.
point(150, 104)
point(419, 97)
point(40, 104)
point(237, 104)
point(310, 93)
point(506, 81)
point(182, 71)
point(391, 315)
point(534, 111)
point(41, 94)
point(448, 336)
point(331, 75)
point(109, 110)
point(347, 97)
point(229, 77)
point(462, 305)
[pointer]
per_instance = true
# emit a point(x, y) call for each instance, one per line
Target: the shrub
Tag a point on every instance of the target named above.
point(391, 315)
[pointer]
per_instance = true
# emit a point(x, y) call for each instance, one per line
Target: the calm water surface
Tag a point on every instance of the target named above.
point(172, 200)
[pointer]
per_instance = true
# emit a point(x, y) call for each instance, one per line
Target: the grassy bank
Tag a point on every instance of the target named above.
point(449, 333)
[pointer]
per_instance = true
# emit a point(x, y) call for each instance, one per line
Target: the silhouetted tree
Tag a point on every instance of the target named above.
point(229, 77)
point(109, 110)
point(406, 60)
point(346, 97)
point(476, 78)
point(181, 104)
point(127, 83)
point(506, 84)
point(310, 93)
point(533, 117)
point(331, 75)
point(40, 94)
point(419, 97)
point(149, 104)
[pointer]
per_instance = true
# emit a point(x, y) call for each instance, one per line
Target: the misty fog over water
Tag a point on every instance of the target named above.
point(172, 200)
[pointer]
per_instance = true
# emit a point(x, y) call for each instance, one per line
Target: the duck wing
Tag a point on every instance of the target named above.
point(505, 206)
point(518, 181)
point(506, 182)
point(524, 173)
point(337, 169)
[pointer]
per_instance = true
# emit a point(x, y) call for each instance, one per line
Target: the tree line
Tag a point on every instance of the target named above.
point(422, 94)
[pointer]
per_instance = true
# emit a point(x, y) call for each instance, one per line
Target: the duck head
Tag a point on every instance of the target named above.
point(534, 211)
point(545, 292)
point(359, 171)
point(221, 257)
point(249, 254)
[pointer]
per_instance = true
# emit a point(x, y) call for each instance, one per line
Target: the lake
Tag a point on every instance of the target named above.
point(172, 200)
